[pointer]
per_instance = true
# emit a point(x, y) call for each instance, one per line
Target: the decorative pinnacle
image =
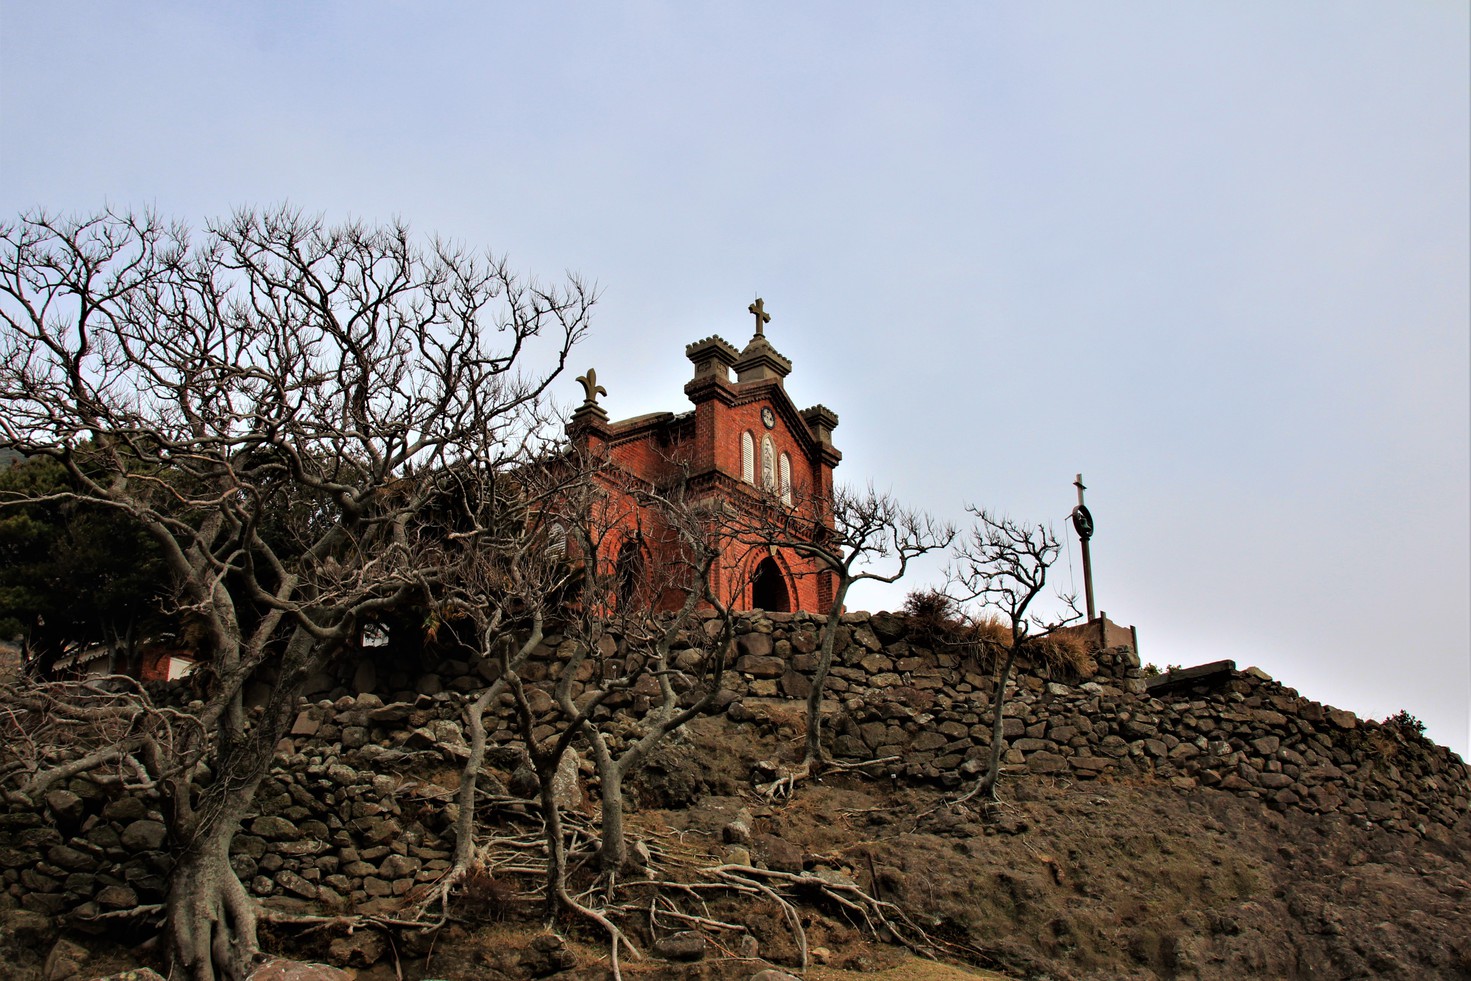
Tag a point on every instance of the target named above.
point(590, 386)
point(762, 317)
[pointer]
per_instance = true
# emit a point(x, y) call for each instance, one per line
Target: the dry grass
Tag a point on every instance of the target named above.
point(912, 969)
point(987, 638)
point(938, 621)
point(1064, 654)
point(990, 632)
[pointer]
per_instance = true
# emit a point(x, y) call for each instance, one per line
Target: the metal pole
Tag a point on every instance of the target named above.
point(1083, 523)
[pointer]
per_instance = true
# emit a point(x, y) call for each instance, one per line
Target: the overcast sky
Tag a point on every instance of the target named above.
point(1215, 257)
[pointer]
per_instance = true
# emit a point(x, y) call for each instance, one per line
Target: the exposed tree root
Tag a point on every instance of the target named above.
point(732, 874)
point(132, 913)
point(878, 916)
point(862, 765)
point(660, 905)
point(672, 893)
point(786, 776)
point(616, 937)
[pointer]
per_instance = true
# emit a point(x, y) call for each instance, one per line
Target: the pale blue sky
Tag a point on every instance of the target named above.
point(1213, 256)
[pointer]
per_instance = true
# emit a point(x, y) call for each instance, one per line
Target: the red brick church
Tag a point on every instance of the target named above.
point(744, 439)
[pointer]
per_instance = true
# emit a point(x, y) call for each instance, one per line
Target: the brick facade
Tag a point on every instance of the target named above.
point(743, 440)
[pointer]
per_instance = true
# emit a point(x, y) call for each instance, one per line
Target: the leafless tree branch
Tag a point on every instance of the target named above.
point(279, 404)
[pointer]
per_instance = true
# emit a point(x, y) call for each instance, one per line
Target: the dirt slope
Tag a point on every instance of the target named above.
point(1113, 879)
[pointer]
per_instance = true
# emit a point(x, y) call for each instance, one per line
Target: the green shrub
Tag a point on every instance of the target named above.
point(1406, 725)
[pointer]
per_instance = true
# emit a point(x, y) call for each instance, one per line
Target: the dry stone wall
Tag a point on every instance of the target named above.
point(343, 821)
point(351, 815)
point(1237, 731)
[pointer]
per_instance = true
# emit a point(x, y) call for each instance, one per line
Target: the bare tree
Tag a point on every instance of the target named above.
point(107, 728)
point(505, 575)
point(558, 555)
point(577, 516)
point(266, 403)
point(641, 624)
point(869, 536)
point(1000, 566)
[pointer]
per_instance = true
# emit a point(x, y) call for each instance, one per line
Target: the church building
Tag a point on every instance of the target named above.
point(745, 441)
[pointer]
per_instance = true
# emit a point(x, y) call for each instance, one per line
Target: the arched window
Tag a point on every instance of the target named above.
point(768, 464)
point(748, 458)
point(556, 540)
point(786, 479)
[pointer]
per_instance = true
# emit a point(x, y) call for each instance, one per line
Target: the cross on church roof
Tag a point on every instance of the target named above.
point(762, 317)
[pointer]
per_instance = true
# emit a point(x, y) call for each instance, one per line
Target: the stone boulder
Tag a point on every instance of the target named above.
point(66, 961)
point(546, 955)
point(686, 946)
point(362, 948)
point(779, 854)
point(281, 969)
point(26, 928)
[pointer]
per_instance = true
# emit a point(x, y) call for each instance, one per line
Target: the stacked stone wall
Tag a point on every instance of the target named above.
point(351, 817)
point(1238, 731)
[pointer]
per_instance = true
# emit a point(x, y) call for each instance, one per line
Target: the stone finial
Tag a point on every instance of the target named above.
point(590, 418)
point(590, 387)
point(712, 357)
point(821, 421)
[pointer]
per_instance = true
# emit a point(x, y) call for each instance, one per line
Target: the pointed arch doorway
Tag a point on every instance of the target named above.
point(769, 588)
point(629, 572)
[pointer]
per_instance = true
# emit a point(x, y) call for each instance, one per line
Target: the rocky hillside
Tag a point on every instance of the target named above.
point(1215, 825)
point(1128, 876)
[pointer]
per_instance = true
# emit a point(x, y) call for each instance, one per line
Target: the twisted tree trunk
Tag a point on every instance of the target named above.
point(211, 918)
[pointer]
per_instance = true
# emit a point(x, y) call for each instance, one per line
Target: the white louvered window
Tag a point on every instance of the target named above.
point(786, 479)
point(748, 458)
point(556, 540)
